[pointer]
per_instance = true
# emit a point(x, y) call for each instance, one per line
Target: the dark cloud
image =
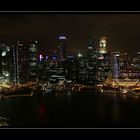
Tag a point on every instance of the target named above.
point(122, 30)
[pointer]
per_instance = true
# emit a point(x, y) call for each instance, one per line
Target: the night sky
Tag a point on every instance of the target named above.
point(122, 30)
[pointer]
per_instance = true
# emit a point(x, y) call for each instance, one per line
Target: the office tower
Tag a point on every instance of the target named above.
point(22, 66)
point(32, 60)
point(91, 66)
point(104, 61)
point(136, 61)
point(90, 62)
point(61, 48)
point(115, 67)
point(56, 71)
point(5, 63)
point(100, 74)
point(72, 68)
point(19, 64)
point(0, 59)
point(104, 67)
point(41, 64)
point(102, 45)
point(125, 60)
point(82, 70)
point(44, 70)
point(91, 50)
point(118, 62)
point(107, 63)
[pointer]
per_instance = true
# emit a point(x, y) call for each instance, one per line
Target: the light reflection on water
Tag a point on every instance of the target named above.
point(115, 112)
point(71, 109)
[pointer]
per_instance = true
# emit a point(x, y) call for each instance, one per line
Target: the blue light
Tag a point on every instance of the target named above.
point(62, 37)
point(47, 57)
point(54, 58)
point(70, 56)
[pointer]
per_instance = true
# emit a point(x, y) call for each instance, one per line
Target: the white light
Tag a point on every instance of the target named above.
point(8, 48)
point(101, 57)
point(40, 57)
point(3, 53)
point(104, 45)
point(89, 47)
point(117, 54)
point(62, 37)
point(7, 74)
point(79, 55)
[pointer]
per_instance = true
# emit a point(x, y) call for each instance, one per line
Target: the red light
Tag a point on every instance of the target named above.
point(42, 113)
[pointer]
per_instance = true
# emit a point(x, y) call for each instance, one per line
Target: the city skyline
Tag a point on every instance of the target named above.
point(121, 30)
point(60, 70)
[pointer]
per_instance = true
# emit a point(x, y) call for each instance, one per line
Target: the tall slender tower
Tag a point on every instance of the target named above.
point(19, 63)
point(102, 45)
point(32, 60)
point(115, 67)
point(61, 48)
point(92, 52)
point(5, 62)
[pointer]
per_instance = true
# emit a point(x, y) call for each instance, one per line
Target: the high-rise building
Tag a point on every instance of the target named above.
point(19, 63)
point(42, 68)
point(91, 61)
point(117, 54)
point(82, 70)
point(72, 68)
point(104, 61)
point(91, 48)
point(136, 61)
point(115, 67)
point(125, 63)
point(92, 51)
point(61, 48)
point(102, 45)
point(1, 61)
point(32, 61)
point(107, 61)
point(5, 63)
point(100, 74)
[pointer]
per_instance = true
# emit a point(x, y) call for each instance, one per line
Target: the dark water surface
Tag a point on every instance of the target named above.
point(72, 110)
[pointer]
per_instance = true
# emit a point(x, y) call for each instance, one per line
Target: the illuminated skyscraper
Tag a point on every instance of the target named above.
point(90, 47)
point(19, 63)
point(136, 61)
point(0, 61)
point(5, 63)
point(72, 68)
point(115, 67)
point(32, 60)
point(61, 49)
point(91, 61)
point(102, 45)
point(92, 51)
point(103, 61)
